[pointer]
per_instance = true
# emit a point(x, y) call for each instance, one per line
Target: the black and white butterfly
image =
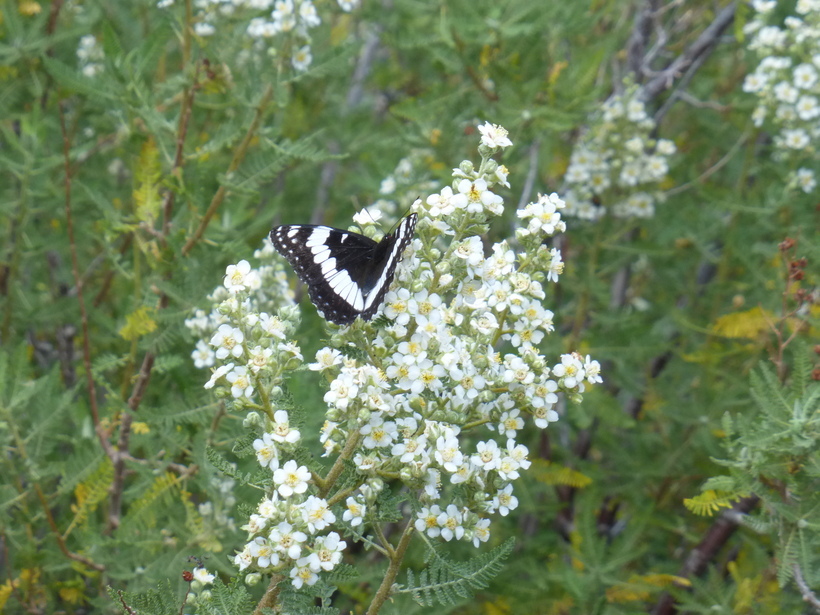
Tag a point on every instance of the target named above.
point(347, 274)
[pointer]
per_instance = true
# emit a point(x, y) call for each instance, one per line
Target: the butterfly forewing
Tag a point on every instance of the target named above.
point(347, 274)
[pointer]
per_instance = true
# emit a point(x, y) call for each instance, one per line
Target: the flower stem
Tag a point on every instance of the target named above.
point(396, 557)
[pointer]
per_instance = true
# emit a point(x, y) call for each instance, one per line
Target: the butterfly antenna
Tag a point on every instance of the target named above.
point(404, 215)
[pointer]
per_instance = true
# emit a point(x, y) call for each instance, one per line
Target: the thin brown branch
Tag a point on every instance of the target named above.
point(639, 39)
point(808, 595)
point(75, 269)
point(58, 536)
point(268, 601)
point(355, 92)
point(396, 558)
point(238, 157)
point(696, 52)
point(182, 132)
point(699, 558)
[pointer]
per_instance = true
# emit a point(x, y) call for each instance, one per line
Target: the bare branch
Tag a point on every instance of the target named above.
point(805, 590)
point(697, 51)
point(706, 550)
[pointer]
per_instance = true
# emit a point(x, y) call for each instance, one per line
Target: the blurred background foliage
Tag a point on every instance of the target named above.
point(183, 149)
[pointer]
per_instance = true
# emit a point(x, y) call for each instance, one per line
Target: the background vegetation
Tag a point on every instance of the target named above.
point(137, 164)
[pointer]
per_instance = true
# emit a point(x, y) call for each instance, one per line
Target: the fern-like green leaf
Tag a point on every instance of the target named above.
point(232, 599)
point(160, 601)
point(447, 582)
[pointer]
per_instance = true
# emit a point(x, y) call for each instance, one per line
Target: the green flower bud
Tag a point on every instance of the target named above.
point(466, 167)
point(252, 579)
point(253, 419)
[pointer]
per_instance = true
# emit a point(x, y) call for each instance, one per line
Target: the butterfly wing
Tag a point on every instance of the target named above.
point(347, 274)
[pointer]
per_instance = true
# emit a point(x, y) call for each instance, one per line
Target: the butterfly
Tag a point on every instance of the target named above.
point(347, 274)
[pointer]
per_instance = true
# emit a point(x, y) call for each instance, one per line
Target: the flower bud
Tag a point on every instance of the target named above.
point(252, 579)
point(253, 419)
point(466, 167)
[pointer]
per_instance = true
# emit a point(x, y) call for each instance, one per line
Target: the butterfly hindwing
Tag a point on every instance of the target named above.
point(347, 274)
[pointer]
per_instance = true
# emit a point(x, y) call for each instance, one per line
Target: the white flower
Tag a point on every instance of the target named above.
point(204, 29)
point(793, 139)
point(327, 552)
point(355, 512)
point(665, 147)
point(481, 532)
point(317, 514)
point(228, 341)
point(543, 215)
point(635, 110)
point(348, 5)
point(342, 390)
point(291, 479)
point(203, 356)
point(262, 550)
point(505, 501)
point(370, 215)
point(282, 431)
point(448, 453)
point(241, 384)
point(786, 92)
point(388, 185)
point(256, 523)
point(302, 58)
point(266, 452)
point(510, 423)
point(805, 76)
point(218, 373)
point(488, 455)
point(203, 576)
point(302, 574)
point(259, 358)
point(272, 325)
point(556, 266)
point(240, 277)
point(325, 359)
point(494, 136)
point(805, 180)
point(287, 540)
point(450, 522)
point(593, 368)
point(807, 108)
point(291, 348)
point(445, 203)
point(764, 6)
point(243, 559)
point(480, 197)
point(427, 521)
point(308, 14)
point(395, 306)
point(378, 433)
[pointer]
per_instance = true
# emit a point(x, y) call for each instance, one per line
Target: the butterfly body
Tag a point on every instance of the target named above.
point(347, 274)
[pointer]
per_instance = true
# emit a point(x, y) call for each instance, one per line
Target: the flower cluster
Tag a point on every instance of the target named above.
point(786, 80)
point(433, 395)
point(617, 166)
point(90, 54)
point(200, 578)
point(263, 20)
point(246, 340)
